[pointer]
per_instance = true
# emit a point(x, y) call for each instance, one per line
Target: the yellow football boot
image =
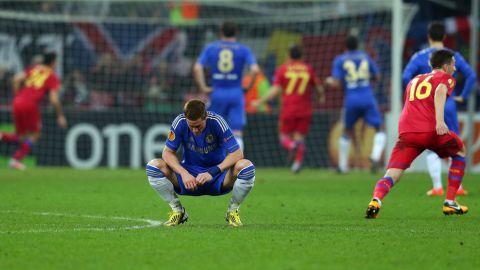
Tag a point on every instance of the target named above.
point(176, 218)
point(373, 209)
point(454, 209)
point(233, 218)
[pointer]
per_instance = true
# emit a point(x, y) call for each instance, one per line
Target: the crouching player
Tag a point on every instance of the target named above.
point(212, 163)
point(422, 126)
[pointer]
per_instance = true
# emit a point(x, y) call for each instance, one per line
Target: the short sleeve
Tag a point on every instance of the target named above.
point(314, 79)
point(450, 82)
point(203, 58)
point(53, 83)
point(224, 133)
point(278, 78)
point(250, 57)
point(337, 71)
point(372, 66)
point(175, 134)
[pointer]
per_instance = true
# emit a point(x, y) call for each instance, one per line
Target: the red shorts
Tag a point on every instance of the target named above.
point(294, 124)
point(27, 118)
point(410, 145)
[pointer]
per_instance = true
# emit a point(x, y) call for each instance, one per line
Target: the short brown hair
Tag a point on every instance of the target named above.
point(436, 31)
point(195, 109)
point(440, 58)
point(228, 29)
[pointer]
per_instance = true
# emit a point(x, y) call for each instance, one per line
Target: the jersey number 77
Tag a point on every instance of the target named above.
point(295, 76)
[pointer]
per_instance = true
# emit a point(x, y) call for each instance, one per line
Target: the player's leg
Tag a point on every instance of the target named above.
point(236, 115)
point(240, 179)
point(301, 130)
point(402, 156)
point(28, 127)
point(164, 181)
point(351, 115)
point(374, 119)
point(451, 145)
point(434, 165)
point(299, 139)
point(451, 119)
point(9, 137)
point(286, 128)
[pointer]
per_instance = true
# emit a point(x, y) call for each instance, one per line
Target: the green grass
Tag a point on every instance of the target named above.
point(310, 221)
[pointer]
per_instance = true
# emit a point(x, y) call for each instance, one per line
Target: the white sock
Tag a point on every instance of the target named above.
point(434, 165)
point(343, 149)
point(239, 141)
point(242, 186)
point(164, 187)
point(379, 141)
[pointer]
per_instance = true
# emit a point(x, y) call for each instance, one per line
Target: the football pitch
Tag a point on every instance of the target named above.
point(110, 219)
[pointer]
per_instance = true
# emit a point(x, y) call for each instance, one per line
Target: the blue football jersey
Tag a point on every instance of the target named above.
point(420, 64)
point(226, 60)
point(207, 149)
point(355, 70)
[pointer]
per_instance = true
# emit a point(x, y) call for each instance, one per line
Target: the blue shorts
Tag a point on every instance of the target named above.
point(212, 187)
point(368, 111)
point(230, 104)
point(451, 118)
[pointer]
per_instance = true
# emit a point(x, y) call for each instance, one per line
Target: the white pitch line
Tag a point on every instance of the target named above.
point(150, 223)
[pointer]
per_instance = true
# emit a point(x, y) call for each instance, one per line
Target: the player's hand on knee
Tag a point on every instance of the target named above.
point(202, 178)
point(189, 182)
point(442, 128)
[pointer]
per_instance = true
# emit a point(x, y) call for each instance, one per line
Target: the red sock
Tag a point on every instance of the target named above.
point(286, 142)
point(455, 176)
point(300, 151)
point(23, 150)
point(9, 137)
point(383, 187)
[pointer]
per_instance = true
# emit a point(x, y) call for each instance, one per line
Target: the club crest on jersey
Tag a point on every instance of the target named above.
point(209, 138)
point(451, 82)
point(171, 135)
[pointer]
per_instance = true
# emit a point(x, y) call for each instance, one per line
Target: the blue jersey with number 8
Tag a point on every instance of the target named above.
point(226, 60)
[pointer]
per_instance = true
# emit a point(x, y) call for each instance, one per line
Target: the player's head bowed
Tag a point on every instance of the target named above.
point(443, 59)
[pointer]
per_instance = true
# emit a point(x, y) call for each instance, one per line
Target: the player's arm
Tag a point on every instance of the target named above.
point(18, 81)
point(373, 68)
point(334, 80)
point(199, 75)
point(254, 71)
point(55, 101)
point(275, 90)
point(469, 75)
point(439, 101)
point(410, 71)
point(231, 159)
point(330, 82)
point(170, 157)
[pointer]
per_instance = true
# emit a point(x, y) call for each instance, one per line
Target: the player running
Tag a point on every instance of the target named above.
point(29, 89)
point(212, 163)
point(294, 80)
point(422, 126)
point(226, 59)
point(353, 71)
point(418, 64)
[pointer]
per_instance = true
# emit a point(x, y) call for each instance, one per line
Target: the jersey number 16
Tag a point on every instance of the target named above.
point(421, 91)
